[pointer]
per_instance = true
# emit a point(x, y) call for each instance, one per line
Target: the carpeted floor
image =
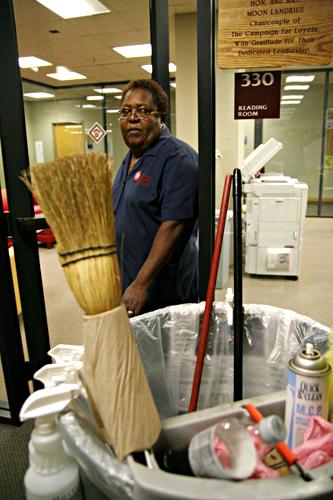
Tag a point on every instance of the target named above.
point(13, 459)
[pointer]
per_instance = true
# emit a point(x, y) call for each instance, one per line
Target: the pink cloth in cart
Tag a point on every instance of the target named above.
point(263, 472)
point(222, 453)
point(317, 448)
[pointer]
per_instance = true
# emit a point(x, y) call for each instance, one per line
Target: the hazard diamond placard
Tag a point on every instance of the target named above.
point(96, 132)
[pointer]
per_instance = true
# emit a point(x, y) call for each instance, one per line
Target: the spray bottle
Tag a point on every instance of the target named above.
point(52, 473)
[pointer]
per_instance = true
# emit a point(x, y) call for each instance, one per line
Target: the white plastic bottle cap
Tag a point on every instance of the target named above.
point(272, 429)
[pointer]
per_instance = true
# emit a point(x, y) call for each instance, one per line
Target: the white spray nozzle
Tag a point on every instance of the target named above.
point(49, 401)
point(67, 353)
point(55, 374)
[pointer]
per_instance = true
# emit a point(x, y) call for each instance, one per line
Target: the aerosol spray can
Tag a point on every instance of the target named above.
point(307, 392)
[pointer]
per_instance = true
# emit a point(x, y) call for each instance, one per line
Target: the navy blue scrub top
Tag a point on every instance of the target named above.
point(162, 186)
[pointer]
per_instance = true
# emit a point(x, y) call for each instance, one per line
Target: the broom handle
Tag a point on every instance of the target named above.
point(203, 335)
point(238, 287)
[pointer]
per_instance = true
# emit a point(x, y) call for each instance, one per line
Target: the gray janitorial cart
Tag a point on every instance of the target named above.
point(168, 338)
point(243, 362)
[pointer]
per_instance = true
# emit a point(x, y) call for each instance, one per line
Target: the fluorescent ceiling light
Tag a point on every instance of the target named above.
point(112, 110)
point(88, 106)
point(291, 102)
point(108, 90)
point(73, 126)
point(295, 78)
point(117, 96)
point(173, 84)
point(63, 74)
point(74, 8)
point(142, 50)
point(149, 68)
point(95, 98)
point(38, 95)
point(32, 62)
point(296, 87)
point(286, 97)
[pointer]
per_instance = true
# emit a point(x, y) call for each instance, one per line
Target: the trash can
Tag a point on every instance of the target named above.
point(167, 340)
point(224, 264)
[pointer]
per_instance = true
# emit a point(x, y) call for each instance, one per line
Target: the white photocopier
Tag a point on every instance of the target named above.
point(275, 214)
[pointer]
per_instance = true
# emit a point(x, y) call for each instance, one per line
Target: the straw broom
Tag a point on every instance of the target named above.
point(76, 198)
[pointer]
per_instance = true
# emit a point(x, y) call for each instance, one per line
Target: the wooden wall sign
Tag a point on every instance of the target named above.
point(274, 33)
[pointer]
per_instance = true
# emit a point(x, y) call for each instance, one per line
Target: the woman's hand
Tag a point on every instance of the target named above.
point(134, 298)
point(163, 245)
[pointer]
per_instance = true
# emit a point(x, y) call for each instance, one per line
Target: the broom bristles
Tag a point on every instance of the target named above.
point(75, 194)
point(76, 198)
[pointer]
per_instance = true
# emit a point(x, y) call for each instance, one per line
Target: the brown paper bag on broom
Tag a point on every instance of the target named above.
point(75, 196)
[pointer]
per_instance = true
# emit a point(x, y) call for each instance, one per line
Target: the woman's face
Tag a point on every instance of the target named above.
point(139, 132)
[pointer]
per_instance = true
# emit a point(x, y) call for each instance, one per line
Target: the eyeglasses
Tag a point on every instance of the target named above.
point(141, 112)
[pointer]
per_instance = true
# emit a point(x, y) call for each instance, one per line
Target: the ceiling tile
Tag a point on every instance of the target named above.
point(85, 44)
point(127, 5)
point(100, 24)
point(137, 20)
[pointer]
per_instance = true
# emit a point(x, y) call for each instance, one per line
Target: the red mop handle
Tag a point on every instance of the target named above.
point(286, 452)
point(210, 295)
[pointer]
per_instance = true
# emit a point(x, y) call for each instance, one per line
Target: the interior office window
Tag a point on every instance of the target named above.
point(300, 129)
point(68, 109)
point(74, 112)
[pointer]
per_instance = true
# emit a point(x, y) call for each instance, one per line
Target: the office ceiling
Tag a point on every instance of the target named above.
point(85, 44)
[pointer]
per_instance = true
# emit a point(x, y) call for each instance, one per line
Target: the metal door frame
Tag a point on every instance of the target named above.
point(15, 159)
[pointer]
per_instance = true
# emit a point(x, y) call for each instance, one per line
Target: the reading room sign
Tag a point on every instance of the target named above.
point(257, 95)
point(271, 33)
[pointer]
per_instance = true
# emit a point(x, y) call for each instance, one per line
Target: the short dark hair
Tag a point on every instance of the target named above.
point(160, 97)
